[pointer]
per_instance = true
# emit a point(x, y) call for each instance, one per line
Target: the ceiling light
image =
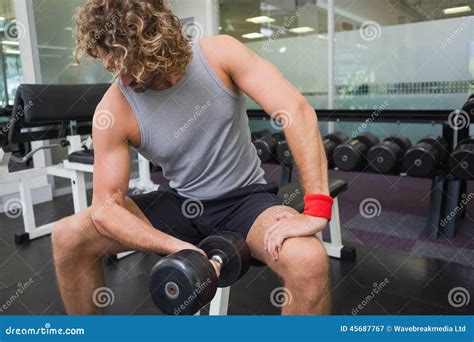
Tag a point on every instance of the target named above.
point(266, 32)
point(304, 29)
point(11, 52)
point(458, 9)
point(10, 42)
point(253, 35)
point(261, 20)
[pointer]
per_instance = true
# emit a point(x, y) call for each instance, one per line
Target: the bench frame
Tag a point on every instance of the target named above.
point(75, 172)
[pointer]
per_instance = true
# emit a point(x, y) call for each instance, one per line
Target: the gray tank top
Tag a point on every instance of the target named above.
point(198, 132)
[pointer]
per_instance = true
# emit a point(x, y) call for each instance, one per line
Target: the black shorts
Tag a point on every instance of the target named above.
point(192, 220)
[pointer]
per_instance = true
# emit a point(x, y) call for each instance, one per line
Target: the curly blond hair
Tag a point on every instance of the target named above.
point(139, 37)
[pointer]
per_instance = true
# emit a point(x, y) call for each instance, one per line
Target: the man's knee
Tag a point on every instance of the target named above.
point(305, 260)
point(70, 237)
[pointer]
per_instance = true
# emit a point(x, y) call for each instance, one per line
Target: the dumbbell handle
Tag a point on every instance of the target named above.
point(217, 264)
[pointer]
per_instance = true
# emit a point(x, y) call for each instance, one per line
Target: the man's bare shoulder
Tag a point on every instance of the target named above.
point(221, 44)
point(113, 100)
point(225, 50)
point(113, 114)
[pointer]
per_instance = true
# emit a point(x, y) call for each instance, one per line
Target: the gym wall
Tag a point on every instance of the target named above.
point(379, 74)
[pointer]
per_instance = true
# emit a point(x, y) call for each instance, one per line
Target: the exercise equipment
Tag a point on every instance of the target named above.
point(183, 282)
point(283, 153)
point(292, 195)
point(352, 155)
point(461, 161)
point(426, 157)
point(330, 141)
point(387, 157)
point(266, 145)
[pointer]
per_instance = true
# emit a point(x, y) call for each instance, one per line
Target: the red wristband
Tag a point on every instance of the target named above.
point(318, 206)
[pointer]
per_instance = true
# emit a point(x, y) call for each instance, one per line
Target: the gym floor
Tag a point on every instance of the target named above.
point(416, 280)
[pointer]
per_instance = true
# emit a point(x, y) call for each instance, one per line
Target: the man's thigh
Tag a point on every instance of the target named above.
point(294, 250)
point(256, 235)
point(167, 212)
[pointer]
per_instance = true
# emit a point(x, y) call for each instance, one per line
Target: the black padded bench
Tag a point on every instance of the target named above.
point(82, 157)
point(293, 192)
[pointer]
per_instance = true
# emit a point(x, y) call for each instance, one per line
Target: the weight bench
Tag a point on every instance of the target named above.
point(293, 196)
point(47, 112)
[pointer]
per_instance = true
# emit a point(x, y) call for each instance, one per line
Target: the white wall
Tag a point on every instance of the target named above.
point(432, 51)
point(204, 12)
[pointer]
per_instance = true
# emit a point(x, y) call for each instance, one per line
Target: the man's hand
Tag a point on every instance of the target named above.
point(215, 264)
point(290, 225)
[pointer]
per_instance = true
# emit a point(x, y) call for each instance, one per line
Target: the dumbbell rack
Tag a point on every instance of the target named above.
point(445, 191)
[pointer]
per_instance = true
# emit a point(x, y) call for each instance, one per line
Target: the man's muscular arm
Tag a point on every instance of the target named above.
point(111, 178)
point(264, 83)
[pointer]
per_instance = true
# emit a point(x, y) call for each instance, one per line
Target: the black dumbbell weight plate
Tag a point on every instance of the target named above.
point(420, 161)
point(347, 157)
point(461, 162)
point(234, 252)
point(368, 139)
point(182, 283)
point(402, 141)
point(337, 137)
point(284, 153)
point(383, 158)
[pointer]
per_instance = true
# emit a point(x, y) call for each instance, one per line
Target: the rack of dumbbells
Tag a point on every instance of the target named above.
point(447, 160)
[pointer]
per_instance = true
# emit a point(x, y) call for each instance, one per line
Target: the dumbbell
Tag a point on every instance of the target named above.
point(266, 146)
point(461, 161)
point(351, 156)
point(469, 105)
point(426, 157)
point(184, 282)
point(330, 141)
point(387, 156)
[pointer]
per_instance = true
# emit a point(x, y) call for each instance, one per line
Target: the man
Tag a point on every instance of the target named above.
point(182, 106)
